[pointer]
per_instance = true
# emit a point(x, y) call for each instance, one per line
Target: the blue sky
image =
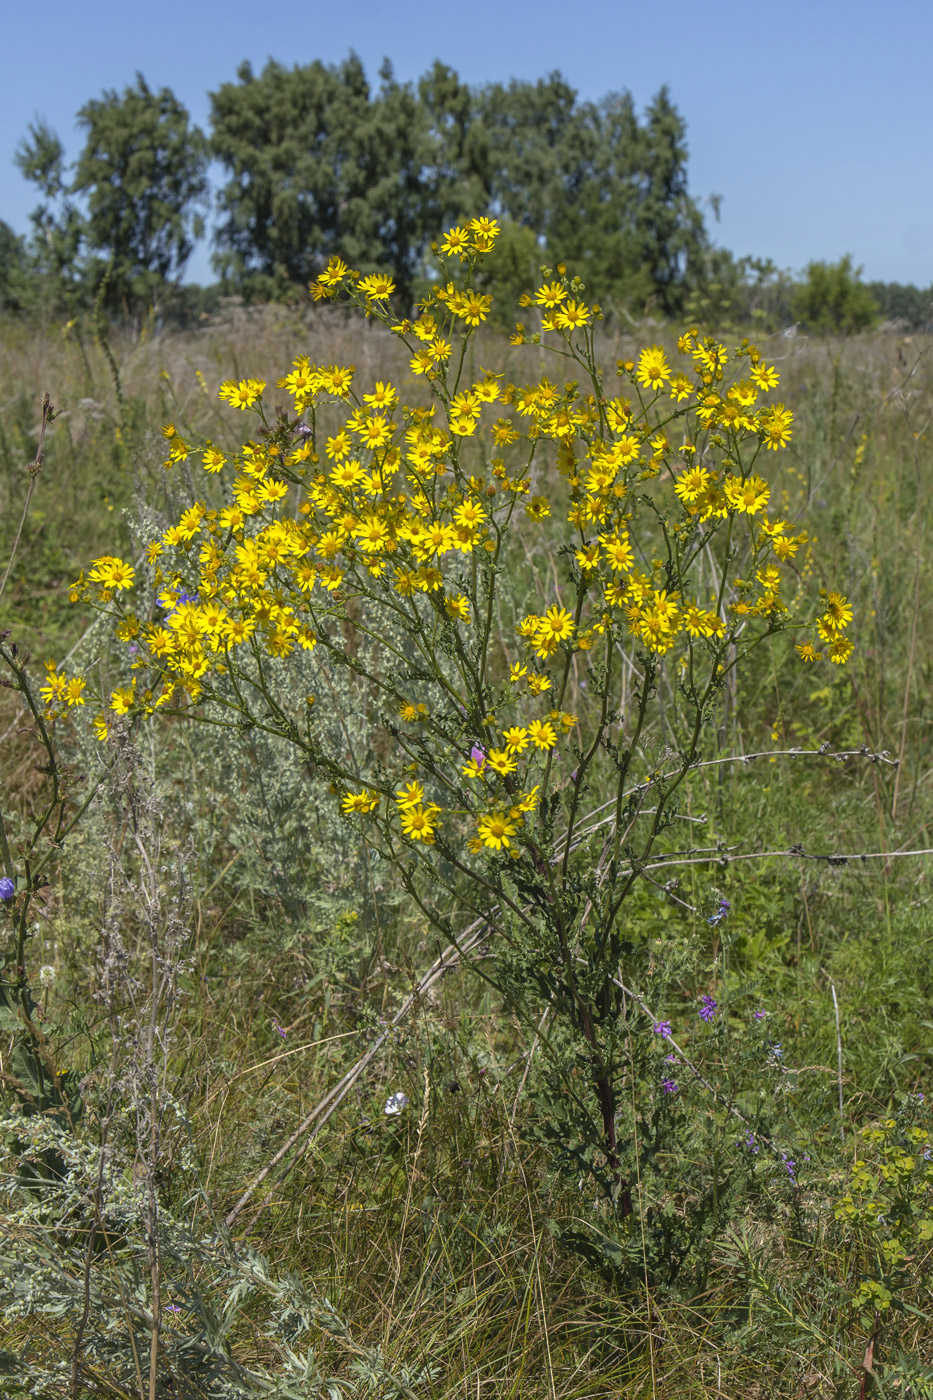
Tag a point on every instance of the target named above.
point(811, 120)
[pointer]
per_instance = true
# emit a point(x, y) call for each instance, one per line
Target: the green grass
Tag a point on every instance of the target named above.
point(437, 1234)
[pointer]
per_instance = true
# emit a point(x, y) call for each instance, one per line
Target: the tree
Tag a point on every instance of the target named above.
point(58, 227)
point(14, 270)
point(832, 300)
point(143, 171)
point(319, 165)
point(607, 193)
point(668, 223)
point(316, 167)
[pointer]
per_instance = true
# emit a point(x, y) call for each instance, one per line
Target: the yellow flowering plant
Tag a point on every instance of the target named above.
point(510, 770)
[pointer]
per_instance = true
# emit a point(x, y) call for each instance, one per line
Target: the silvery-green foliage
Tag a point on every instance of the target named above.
point(83, 1239)
point(238, 790)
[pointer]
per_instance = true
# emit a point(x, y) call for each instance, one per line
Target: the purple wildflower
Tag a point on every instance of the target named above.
point(670, 1059)
point(7, 888)
point(281, 1029)
point(669, 1086)
point(760, 1015)
point(477, 755)
point(790, 1166)
point(662, 1028)
point(751, 1143)
point(708, 1009)
point(721, 912)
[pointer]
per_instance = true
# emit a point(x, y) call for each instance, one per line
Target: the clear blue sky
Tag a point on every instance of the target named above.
point(811, 118)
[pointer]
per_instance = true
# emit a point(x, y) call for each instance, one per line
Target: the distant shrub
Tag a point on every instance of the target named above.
point(833, 300)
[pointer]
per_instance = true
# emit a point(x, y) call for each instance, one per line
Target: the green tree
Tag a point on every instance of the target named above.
point(832, 300)
point(608, 194)
point(456, 175)
point(668, 223)
point(143, 171)
point(907, 303)
point(14, 270)
point(317, 166)
point(58, 226)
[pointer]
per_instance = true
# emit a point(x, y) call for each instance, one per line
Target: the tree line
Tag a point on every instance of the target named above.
point(314, 161)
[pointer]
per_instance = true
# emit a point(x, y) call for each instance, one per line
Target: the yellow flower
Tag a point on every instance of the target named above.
point(73, 691)
point(765, 376)
point(456, 242)
point(410, 712)
point(377, 287)
point(542, 734)
point(383, 396)
point(418, 823)
point(244, 394)
point(494, 830)
point(775, 423)
point(501, 761)
point(747, 496)
point(410, 795)
point(588, 557)
point(840, 649)
point(471, 307)
point(54, 684)
point(364, 801)
point(111, 572)
point(618, 551)
point(212, 458)
point(572, 315)
point(838, 612)
point(551, 294)
point(516, 738)
point(122, 700)
point(653, 368)
point(808, 652)
point(692, 483)
point(555, 626)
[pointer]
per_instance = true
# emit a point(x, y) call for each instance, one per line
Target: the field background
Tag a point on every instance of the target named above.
point(434, 1234)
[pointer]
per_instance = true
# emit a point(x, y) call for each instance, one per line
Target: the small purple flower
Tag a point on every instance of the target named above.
point(478, 757)
point(760, 1015)
point(7, 888)
point(670, 1059)
point(662, 1028)
point(721, 912)
point(280, 1029)
point(789, 1166)
point(751, 1143)
point(669, 1086)
point(708, 1009)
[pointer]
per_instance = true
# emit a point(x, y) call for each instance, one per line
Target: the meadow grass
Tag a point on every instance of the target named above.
point(436, 1234)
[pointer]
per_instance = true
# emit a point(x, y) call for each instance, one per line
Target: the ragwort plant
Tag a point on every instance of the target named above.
point(509, 768)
